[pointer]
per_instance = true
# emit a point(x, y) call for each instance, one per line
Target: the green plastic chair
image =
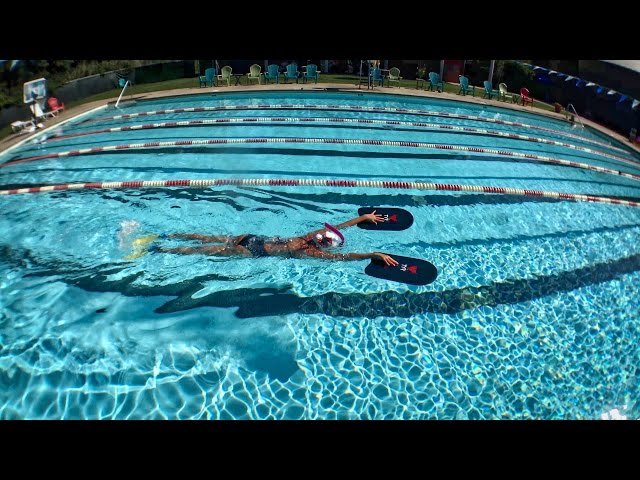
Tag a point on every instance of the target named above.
point(311, 72)
point(209, 78)
point(225, 74)
point(394, 76)
point(465, 87)
point(435, 82)
point(273, 72)
point(292, 72)
point(489, 92)
point(254, 73)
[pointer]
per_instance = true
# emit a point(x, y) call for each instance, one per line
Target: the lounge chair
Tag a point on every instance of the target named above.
point(376, 76)
point(504, 92)
point(489, 92)
point(525, 97)
point(225, 74)
point(435, 82)
point(394, 76)
point(55, 105)
point(273, 72)
point(465, 87)
point(20, 126)
point(254, 73)
point(292, 72)
point(311, 72)
point(209, 78)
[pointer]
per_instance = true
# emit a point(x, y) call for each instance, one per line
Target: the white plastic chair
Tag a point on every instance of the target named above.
point(503, 92)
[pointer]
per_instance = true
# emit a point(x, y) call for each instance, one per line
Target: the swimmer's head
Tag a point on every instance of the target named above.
point(331, 237)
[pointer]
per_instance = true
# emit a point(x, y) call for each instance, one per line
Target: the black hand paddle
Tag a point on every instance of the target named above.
point(409, 270)
point(394, 218)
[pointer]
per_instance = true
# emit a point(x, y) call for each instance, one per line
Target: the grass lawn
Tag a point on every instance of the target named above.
point(193, 83)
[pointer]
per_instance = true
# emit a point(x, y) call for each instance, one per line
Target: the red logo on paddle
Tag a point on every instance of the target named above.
point(410, 268)
point(393, 218)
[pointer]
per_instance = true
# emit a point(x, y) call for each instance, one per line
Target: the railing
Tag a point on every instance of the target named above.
point(574, 111)
point(122, 93)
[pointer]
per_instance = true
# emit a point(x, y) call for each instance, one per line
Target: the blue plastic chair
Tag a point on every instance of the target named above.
point(292, 72)
point(311, 72)
point(376, 76)
point(435, 82)
point(273, 72)
point(209, 78)
point(489, 92)
point(465, 87)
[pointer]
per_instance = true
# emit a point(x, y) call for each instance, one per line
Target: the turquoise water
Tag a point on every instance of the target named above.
point(534, 313)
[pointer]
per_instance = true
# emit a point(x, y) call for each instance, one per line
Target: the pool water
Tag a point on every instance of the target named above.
point(534, 313)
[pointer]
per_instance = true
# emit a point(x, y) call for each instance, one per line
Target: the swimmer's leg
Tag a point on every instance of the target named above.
point(217, 250)
point(202, 238)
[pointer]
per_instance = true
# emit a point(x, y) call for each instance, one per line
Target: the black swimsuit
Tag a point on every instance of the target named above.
point(255, 244)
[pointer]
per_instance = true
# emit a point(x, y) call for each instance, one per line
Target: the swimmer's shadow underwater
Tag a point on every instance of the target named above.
point(413, 271)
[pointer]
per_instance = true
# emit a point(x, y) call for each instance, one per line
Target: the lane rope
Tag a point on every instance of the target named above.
point(354, 108)
point(333, 141)
point(279, 182)
point(330, 120)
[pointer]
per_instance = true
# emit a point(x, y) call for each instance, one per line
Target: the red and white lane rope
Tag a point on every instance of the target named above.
point(354, 108)
point(387, 143)
point(283, 182)
point(422, 125)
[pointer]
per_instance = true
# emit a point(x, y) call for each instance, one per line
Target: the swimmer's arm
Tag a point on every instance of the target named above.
point(352, 256)
point(371, 217)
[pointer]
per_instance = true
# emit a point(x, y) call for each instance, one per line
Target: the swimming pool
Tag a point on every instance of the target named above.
point(534, 313)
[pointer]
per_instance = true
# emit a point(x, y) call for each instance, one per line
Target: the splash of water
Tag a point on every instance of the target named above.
point(614, 414)
point(127, 228)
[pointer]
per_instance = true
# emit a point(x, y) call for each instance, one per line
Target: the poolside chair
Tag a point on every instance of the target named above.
point(55, 105)
point(20, 126)
point(225, 74)
point(292, 72)
point(209, 77)
point(489, 92)
point(435, 82)
point(38, 112)
point(394, 76)
point(273, 72)
point(254, 73)
point(376, 76)
point(311, 72)
point(525, 96)
point(503, 92)
point(465, 87)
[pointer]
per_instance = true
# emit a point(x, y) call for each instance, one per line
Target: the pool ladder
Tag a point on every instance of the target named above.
point(574, 111)
point(122, 93)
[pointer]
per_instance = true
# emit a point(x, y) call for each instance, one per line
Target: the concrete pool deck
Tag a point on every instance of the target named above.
point(14, 139)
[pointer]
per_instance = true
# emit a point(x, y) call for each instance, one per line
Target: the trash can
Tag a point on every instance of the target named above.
point(557, 107)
